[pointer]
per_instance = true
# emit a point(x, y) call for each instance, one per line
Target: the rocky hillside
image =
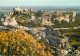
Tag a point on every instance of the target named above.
point(25, 19)
point(27, 16)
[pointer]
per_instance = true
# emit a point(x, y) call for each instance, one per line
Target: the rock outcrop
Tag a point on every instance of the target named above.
point(19, 10)
point(46, 17)
point(8, 20)
point(64, 15)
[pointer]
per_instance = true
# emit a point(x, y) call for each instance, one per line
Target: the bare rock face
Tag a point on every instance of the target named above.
point(7, 20)
point(64, 52)
point(17, 9)
point(59, 42)
point(33, 17)
point(63, 15)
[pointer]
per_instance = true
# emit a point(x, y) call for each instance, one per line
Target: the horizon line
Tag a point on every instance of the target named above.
point(41, 6)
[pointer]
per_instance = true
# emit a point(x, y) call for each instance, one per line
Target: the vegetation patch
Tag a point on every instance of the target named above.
point(21, 43)
point(73, 35)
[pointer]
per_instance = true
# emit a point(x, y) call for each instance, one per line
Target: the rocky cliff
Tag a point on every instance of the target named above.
point(44, 17)
point(8, 20)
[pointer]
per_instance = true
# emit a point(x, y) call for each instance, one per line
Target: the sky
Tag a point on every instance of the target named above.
point(39, 2)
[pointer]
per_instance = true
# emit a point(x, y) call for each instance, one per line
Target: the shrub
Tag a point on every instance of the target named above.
point(21, 43)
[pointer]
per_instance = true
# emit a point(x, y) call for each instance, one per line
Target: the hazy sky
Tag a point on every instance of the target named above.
point(39, 2)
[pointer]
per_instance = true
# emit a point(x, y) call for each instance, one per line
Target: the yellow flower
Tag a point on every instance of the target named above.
point(37, 51)
point(27, 55)
point(2, 39)
point(22, 46)
point(17, 49)
point(0, 35)
point(43, 45)
point(3, 42)
point(4, 50)
point(18, 43)
point(39, 45)
point(18, 37)
point(22, 52)
point(49, 54)
point(30, 48)
point(18, 53)
point(7, 44)
point(29, 36)
point(13, 40)
point(25, 49)
point(6, 38)
point(33, 52)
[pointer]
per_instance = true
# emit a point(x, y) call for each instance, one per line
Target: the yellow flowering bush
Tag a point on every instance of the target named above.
point(21, 43)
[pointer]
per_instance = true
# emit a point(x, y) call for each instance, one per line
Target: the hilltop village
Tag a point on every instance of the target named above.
point(60, 44)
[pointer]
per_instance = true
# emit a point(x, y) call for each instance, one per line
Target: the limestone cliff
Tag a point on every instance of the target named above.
point(8, 20)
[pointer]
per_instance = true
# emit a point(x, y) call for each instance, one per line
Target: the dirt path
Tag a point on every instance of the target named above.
point(65, 28)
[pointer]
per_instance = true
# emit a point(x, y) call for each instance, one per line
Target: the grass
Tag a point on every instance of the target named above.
point(65, 24)
point(73, 36)
point(75, 43)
